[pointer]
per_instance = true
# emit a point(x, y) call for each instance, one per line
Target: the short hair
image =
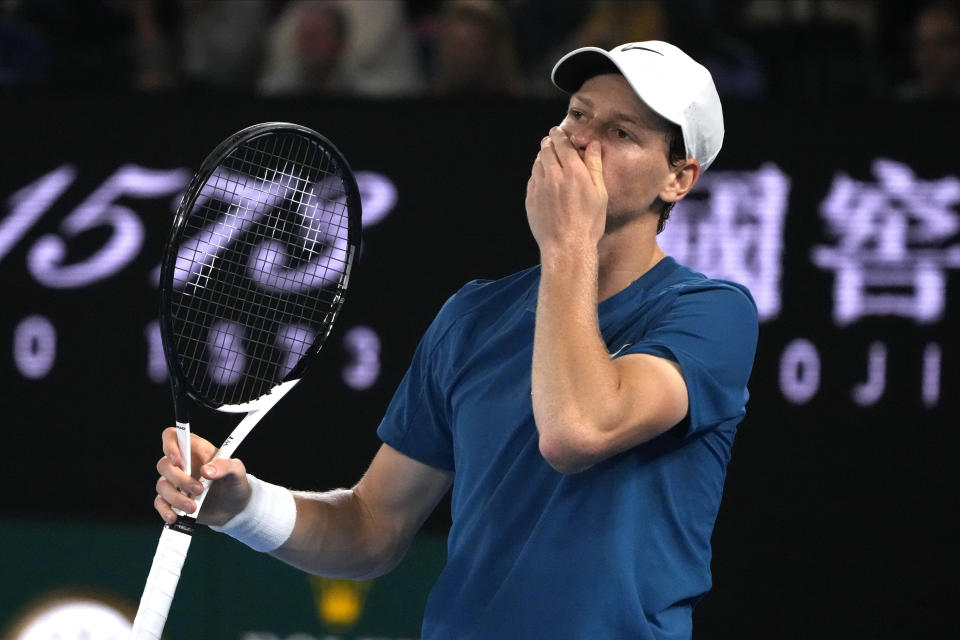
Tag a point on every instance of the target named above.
point(676, 154)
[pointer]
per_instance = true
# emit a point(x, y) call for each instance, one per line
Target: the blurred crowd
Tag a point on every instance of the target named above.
point(791, 50)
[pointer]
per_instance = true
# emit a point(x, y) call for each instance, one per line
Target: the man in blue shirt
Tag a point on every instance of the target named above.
point(583, 410)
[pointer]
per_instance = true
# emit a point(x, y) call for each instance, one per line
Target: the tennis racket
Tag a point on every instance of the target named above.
point(253, 276)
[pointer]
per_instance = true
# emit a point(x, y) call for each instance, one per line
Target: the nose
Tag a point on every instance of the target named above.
point(580, 135)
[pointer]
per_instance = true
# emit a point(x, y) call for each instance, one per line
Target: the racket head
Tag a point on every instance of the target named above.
point(257, 264)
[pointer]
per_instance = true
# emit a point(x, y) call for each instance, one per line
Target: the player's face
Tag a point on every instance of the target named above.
point(634, 150)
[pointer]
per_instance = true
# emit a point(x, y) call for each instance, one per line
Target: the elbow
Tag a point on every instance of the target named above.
point(375, 569)
point(573, 446)
point(377, 559)
point(570, 453)
point(367, 563)
point(373, 545)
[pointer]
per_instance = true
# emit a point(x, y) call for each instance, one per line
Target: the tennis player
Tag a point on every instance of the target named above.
point(583, 410)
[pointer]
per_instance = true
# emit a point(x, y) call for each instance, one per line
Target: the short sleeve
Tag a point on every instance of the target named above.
point(710, 330)
point(415, 422)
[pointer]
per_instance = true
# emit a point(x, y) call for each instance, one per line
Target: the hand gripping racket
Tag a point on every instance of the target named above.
point(253, 275)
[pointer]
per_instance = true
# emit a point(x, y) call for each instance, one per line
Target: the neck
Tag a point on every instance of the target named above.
point(625, 255)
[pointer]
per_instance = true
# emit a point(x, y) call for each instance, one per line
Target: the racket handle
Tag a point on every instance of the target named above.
point(183, 441)
point(161, 583)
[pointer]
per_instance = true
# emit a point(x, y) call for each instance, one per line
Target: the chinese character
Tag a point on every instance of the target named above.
point(894, 239)
point(731, 226)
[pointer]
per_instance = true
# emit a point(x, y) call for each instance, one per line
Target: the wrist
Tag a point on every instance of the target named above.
point(569, 264)
point(570, 255)
point(268, 519)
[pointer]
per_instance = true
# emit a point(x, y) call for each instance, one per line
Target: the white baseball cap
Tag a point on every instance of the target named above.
point(669, 81)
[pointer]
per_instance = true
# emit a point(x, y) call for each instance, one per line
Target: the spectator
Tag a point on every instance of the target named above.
point(704, 31)
point(696, 26)
point(601, 23)
point(223, 42)
point(341, 47)
point(203, 44)
point(935, 53)
point(474, 50)
point(612, 22)
point(155, 44)
point(381, 56)
point(542, 31)
point(306, 50)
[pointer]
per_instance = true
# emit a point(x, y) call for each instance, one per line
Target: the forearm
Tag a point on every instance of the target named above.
point(574, 382)
point(365, 531)
point(336, 536)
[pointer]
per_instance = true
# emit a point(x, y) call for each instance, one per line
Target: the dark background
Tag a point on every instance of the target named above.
point(835, 516)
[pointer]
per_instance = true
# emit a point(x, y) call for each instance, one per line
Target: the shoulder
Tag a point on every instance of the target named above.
point(689, 307)
point(480, 302)
point(692, 288)
point(479, 297)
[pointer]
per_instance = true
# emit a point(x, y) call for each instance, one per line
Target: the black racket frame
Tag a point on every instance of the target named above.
point(181, 386)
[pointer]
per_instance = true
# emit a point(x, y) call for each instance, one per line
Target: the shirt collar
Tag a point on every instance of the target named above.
point(648, 280)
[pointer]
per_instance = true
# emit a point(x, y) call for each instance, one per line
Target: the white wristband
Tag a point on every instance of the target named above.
point(267, 520)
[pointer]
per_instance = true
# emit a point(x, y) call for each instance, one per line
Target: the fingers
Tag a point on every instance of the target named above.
point(546, 162)
point(592, 158)
point(568, 156)
point(563, 148)
point(548, 155)
point(165, 510)
point(171, 448)
point(201, 450)
point(557, 152)
point(177, 478)
point(538, 170)
point(168, 499)
point(177, 490)
point(175, 487)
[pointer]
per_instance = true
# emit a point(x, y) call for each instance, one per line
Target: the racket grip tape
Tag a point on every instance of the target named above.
point(162, 580)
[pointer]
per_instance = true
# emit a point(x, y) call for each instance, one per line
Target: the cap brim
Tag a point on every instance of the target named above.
point(575, 68)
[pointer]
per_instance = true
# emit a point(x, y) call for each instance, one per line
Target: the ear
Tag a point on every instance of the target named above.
point(681, 180)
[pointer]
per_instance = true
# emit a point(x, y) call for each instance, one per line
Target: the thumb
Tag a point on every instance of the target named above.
point(592, 158)
point(230, 470)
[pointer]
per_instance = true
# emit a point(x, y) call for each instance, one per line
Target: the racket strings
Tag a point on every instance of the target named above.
point(260, 272)
point(235, 359)
point(263, 362)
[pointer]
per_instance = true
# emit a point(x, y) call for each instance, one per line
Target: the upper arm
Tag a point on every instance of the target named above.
point(650, 397)
point(712, 335)
point(690, 366)
point(694, 363)
point(397, 493)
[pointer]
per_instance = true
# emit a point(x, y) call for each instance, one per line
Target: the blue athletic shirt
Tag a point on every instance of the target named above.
point(621, 550)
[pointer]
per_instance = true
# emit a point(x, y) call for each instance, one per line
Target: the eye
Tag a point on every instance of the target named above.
point(622, 134)
point(576, 114)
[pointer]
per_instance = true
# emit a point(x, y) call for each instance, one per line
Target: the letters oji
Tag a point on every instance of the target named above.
point(800, 370)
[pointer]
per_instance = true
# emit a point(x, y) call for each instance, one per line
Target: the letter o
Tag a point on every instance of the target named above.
point(800, 371)
point(34, 347)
